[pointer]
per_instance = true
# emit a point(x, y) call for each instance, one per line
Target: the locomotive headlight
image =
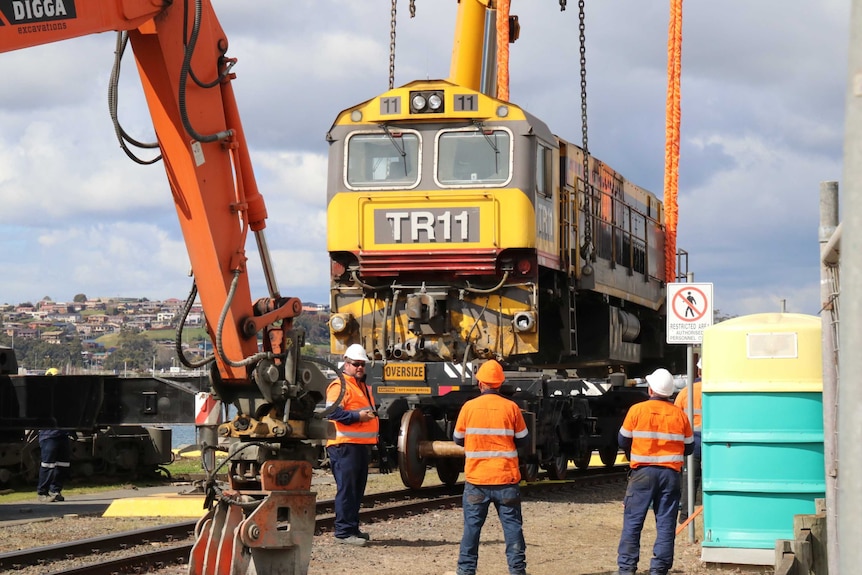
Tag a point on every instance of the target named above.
point(339, 322)
point(524, 321)
point(419, 102)
point(427, 102)
point(435, 101)
point(502, 111)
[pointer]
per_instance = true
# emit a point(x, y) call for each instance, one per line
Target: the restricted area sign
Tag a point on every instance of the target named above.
point(689, 312)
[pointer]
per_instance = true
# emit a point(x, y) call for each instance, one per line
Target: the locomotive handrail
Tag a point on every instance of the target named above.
point(599, 221)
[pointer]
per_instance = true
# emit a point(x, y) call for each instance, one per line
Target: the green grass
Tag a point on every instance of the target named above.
point(22, 493)
point(182, 467)
point(190, 335)
point(185, 466)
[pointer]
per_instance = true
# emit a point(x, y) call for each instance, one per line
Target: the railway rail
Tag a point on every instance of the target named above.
point(134, 549)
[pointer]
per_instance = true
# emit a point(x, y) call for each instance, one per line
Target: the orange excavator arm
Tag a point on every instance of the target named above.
point(181, 55)
point(180, 49)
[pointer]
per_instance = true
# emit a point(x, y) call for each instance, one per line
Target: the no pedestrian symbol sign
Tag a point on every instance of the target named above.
point(689, 312)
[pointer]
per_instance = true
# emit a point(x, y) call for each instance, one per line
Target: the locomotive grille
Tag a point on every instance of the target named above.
point(455, 262)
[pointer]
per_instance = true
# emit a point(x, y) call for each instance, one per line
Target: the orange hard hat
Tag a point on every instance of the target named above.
point(491, 373)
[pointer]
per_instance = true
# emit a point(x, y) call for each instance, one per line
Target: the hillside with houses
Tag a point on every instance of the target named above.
point(83, 335)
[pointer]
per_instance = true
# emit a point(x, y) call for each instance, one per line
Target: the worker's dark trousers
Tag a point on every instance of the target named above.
point(659, 487)
point(696, 467)
point(349, 463)
point(56, 455)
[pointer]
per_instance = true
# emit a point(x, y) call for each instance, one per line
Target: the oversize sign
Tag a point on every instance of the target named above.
point(689, 312)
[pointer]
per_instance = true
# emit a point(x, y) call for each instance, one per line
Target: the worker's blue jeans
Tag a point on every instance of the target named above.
point(659, 487)
point(507, 501)
point(349, 463)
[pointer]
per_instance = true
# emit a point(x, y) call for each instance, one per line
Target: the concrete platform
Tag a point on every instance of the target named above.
point(738, 555)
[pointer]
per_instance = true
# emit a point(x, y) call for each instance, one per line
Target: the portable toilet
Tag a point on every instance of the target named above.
point(762, 433)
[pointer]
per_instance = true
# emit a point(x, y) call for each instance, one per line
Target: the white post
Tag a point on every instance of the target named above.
point(849, 337)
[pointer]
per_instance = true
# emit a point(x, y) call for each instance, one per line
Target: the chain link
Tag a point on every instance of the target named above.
point(562, 5)
point(587, 251)
point(392, 42)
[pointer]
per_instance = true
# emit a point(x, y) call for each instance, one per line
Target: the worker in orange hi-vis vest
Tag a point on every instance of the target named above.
point(356, 429)
point(681, 402)
point(491, 428)
point(656, 436)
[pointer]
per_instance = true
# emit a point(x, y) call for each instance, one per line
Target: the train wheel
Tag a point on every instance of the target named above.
point(558, 467)
point(410, 465)
point(582, 461)
point(448, 470)
point(529, 472)
point(608, 454)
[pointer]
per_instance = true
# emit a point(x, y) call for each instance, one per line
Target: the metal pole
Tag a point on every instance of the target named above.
point(208, 437)
point(690, 471)
point(828, 225)
point(689, 409)
point(850, 338)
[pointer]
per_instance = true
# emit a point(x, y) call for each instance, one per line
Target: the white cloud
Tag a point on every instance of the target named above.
point(763, 93)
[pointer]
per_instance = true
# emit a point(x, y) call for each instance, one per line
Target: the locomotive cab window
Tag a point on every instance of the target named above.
point(543, 170)
point(382, 159)
point(474, 157)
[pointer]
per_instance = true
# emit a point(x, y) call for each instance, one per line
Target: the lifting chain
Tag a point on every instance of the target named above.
point(392, 21)
point(587, 250)
point(392, 45)
point(562, 5)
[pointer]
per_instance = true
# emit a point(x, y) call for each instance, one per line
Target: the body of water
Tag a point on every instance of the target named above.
point(182, 435)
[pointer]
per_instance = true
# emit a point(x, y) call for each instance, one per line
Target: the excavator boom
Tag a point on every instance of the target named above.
point(180, 50)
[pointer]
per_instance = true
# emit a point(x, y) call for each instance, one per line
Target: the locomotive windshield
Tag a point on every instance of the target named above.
point(383, 159)
point(473, 157)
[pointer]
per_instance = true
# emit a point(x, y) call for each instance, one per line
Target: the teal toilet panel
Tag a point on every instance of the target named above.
point(762, 464)
point(730, 414)
point(764, 467)
point(751, 520)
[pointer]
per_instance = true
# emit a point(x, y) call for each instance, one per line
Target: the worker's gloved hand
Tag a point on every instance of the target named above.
point(385, 465)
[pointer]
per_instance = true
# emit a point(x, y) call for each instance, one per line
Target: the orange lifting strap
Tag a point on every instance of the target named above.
point(503, 49)
point(671, 152)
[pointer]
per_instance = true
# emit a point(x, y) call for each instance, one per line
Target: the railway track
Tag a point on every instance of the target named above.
point(158, 547)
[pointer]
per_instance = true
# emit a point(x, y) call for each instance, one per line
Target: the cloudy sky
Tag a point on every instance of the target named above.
point(763, 91)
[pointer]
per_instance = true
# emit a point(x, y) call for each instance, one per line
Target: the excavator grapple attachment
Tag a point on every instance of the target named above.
point(253, 532)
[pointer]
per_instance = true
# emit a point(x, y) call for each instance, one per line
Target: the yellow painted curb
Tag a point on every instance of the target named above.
point(596, 461)
point(186, 454)
point(157, 506)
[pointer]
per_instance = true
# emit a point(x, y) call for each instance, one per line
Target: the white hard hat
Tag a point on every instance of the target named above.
point(356, 352)
point(661, 382)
